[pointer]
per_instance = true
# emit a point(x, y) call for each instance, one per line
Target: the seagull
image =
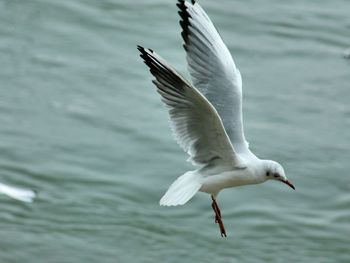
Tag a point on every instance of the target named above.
point(206, 116)
point(25, 195)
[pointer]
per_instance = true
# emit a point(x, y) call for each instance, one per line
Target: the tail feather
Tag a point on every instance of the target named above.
point(25, 195)
point(182, 189)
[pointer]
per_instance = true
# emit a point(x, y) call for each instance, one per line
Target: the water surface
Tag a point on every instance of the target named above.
point(82, 124)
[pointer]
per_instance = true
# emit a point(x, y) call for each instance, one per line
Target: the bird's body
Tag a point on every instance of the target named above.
point(206, 117)
point(215, 180)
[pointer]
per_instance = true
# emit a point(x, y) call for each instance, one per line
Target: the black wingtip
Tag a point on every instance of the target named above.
point(140, 48)
point(143, 54)
point(181, 2)
point(148, 59)
point(184, 22)
point(142, 51)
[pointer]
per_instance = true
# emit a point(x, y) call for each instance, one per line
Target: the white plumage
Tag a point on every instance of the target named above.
point(206, 117)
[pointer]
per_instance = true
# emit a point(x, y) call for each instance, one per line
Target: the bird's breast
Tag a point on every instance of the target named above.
point(215, 183)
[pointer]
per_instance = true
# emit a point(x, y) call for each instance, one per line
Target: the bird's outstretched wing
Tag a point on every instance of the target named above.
point(212, 69)
point(195, 122)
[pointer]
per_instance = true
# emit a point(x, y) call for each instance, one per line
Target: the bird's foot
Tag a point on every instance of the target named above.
point(222, 228)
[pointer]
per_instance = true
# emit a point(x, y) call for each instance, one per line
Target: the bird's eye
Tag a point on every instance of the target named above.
point(268, 173)
point(276, 175)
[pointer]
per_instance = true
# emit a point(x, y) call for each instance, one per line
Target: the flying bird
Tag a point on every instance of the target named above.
point(206, 116)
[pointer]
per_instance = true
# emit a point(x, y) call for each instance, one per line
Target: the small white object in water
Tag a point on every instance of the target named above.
point(25, 195)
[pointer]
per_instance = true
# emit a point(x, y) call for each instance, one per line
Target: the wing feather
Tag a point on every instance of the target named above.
point(213, 70)
point(195, 123)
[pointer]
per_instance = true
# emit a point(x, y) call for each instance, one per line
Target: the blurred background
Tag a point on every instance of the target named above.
point(81, 123)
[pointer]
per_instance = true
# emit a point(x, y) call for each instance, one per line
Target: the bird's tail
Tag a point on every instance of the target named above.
point(25, 195)
point(182, 189)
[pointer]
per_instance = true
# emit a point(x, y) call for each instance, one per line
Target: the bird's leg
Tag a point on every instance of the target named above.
point(216, 210)
point(218, 219)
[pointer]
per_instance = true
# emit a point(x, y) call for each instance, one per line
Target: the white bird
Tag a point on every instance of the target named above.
point(25, 195)
point(206, 117)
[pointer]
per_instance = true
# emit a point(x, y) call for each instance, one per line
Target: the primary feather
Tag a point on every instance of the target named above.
point(195, 122)
point(213, 70)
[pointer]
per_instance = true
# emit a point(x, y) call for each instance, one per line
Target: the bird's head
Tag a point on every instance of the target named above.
point(275, 171)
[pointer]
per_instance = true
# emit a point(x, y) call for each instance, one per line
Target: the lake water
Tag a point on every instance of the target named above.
point(80, 121)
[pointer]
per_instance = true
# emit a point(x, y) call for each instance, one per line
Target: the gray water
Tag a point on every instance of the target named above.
point(80, 122)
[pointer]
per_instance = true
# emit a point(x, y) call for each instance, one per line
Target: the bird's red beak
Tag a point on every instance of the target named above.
point(287, 182)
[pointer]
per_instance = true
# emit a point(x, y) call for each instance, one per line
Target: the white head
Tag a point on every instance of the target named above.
point(274, 171)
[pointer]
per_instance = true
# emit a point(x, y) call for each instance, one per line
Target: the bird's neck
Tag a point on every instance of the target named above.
point(259, 172)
